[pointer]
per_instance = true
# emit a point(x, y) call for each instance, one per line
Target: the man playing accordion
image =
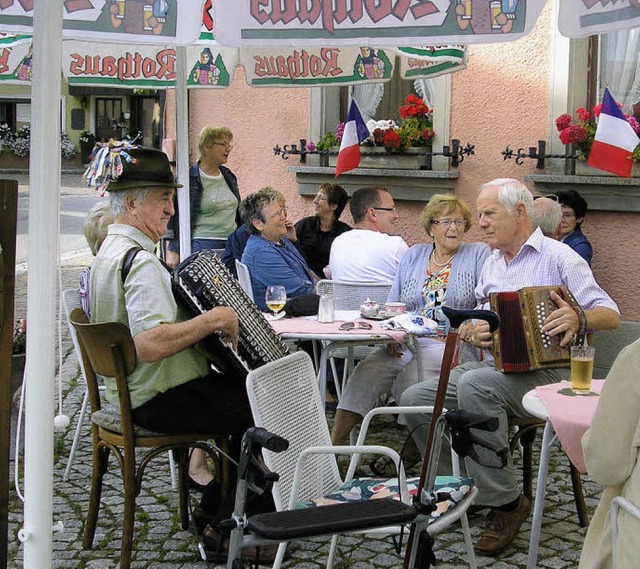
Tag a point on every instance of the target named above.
point(521, 257)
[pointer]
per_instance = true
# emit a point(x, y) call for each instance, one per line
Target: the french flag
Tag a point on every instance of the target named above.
point(355, 132)
point(615, 140)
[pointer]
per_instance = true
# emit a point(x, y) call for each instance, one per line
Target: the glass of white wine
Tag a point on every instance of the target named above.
point(276, 298)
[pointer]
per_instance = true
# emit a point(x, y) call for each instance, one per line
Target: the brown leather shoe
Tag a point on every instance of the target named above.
point(501, 528)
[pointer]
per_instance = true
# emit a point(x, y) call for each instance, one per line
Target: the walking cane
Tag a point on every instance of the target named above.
point(456, 318)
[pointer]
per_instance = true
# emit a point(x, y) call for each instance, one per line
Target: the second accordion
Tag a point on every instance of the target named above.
point(519, 345)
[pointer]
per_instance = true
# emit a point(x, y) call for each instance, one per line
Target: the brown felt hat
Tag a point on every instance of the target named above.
point(149, 167)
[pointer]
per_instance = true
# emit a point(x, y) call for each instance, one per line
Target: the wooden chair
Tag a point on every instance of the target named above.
point(108, 350)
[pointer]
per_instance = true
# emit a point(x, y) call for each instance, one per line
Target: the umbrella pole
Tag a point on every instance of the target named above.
point(44, 206)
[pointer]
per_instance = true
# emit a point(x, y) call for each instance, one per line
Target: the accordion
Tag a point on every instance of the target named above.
point(203, 283)
point(519, 345)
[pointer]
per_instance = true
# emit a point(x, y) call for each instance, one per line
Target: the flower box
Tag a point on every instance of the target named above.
point(583, 169)
point(376, 157)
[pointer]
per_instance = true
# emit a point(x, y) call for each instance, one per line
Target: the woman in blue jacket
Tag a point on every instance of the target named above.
point(574, 208)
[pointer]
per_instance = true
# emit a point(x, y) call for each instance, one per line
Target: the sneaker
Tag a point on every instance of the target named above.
point(501, 528)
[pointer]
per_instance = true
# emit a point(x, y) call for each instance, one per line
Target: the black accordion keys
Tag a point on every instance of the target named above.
point(519, 345)
point(203, 282)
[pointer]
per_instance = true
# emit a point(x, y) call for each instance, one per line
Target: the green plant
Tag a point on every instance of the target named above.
point(328, 140)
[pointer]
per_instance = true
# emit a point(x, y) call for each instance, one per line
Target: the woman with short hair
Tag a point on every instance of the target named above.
point(213, 196)
point(270, 257)
point(574, 209)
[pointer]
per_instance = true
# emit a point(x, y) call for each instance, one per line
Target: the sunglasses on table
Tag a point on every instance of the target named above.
point(355, 326)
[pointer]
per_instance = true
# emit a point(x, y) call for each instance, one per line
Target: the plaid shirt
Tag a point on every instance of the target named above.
point(542, 262)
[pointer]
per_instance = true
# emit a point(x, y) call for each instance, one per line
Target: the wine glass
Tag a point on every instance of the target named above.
point(275, 297)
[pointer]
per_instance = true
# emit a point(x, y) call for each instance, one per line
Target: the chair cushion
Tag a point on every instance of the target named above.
point(111, 420)
point(450, 491)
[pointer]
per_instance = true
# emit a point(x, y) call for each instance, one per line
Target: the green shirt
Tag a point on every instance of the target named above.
point(142, 303)
point(217, 216)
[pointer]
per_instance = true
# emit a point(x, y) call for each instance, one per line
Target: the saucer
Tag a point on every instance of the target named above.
point(382, 315)
point(272, 317)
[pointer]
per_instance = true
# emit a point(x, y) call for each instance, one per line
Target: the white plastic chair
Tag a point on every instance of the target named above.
point(285, 400)
point(244, 278)
point(349, 296)
point(70, 300)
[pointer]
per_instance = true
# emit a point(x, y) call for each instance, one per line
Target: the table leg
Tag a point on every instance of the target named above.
point(548, 439)
point(322, 375)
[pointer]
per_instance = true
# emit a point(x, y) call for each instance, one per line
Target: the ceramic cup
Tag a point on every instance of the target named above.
point(395, 308)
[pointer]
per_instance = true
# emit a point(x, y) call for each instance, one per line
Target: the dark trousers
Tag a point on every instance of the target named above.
point(215, 404)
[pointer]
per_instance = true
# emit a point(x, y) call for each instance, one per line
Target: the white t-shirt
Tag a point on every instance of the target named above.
point(366, 255)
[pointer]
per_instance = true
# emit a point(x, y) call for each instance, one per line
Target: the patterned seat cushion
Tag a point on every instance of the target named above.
point(450, 490)
point(109, 419)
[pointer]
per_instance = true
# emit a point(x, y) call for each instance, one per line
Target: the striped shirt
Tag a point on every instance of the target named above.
point(542, 261)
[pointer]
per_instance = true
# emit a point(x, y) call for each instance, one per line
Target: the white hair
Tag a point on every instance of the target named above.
point(546, 214)
point(118, 200)
point(510, 193)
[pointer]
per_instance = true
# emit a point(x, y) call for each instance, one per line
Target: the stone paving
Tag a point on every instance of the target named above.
point(160, 543)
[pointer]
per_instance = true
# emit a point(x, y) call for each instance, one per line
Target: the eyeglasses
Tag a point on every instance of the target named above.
point(550, 196)
point(320, 197)
point(446, 223)
point(282, 213)
point(225, 144)
point(355, 326)
point(568, 215)
point(384, 208)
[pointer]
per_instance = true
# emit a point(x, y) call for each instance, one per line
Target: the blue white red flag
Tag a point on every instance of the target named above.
point(615, 140)
point(355, 132)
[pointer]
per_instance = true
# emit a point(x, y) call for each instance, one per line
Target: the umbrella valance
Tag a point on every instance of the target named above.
point(210, 65)
point(118, 21)
point(410, 22)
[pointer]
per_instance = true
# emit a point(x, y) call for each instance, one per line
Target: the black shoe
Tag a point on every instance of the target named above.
point(195, 485)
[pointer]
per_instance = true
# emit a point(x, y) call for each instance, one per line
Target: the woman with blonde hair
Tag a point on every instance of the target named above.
point(430, 276)
point(213, 196)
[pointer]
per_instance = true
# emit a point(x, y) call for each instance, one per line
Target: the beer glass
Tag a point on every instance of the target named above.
point(581, 369)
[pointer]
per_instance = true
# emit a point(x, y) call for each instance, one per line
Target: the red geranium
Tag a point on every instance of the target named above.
point(391, 139)
point(563, 121)
point(574, 134)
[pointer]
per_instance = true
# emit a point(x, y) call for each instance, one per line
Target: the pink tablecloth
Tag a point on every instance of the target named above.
point(306, 326)
point(570, 415)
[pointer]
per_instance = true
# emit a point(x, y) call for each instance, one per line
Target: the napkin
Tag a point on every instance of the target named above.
point(411, 323)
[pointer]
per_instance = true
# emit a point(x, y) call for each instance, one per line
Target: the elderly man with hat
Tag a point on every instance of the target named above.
point(173, 388)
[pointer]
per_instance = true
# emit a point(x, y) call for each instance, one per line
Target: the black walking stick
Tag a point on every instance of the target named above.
point(456, 318)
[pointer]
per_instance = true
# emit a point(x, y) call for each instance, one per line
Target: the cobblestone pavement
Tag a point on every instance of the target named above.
point(160, 543)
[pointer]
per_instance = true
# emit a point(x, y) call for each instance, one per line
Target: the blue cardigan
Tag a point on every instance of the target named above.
point(276, 264)
point(466, 269)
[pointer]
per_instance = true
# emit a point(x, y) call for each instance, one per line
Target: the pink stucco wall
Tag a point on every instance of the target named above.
point(501, 98)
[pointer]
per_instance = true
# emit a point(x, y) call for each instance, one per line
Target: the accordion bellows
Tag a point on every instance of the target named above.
point(203, 282)
point(519, 345)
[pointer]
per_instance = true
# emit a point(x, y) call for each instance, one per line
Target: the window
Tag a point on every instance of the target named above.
point(329, 105)
point(618, 66)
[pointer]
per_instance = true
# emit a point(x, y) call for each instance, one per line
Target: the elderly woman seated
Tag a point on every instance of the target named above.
point(430, 276)
point(270, 257)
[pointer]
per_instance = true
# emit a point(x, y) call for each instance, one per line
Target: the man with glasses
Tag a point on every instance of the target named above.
point(371, 251)
point(270, 257)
